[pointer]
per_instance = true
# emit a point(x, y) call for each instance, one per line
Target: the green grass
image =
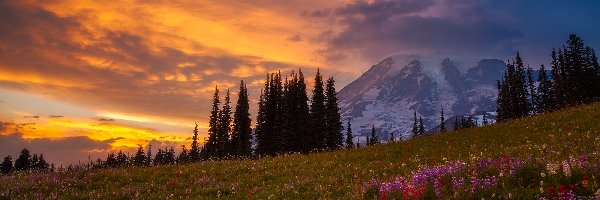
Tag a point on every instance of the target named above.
point(332, 175)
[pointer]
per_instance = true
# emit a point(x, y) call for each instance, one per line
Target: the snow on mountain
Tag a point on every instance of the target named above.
point(389, 92)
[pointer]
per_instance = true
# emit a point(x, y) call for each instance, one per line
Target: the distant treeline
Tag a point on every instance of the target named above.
point(26, 162)
point(574, 79)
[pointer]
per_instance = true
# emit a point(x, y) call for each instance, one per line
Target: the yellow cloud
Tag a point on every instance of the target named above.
point(123, 136)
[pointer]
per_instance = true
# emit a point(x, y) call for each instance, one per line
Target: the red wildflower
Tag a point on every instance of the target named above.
point(533, 181)
point(572, 187)
point(382, 195)
point(586, 178)
point(440, 181)
point(562, 188)
point(551, 191)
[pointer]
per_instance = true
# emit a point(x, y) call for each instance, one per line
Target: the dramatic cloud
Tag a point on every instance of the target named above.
point(372, 30)
point(66, 150)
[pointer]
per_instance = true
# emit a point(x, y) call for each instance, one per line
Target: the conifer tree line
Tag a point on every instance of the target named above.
point(574, 79)
point(25, 162)
point(285, 122)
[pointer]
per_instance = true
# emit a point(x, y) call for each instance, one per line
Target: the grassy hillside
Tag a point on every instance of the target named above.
point(543, 156)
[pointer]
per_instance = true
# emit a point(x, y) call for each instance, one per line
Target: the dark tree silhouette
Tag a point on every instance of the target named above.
point(139, 159)
point(442, 121)
point(349, 136)
point(23, 162)
point(7, 165)
point(333, 123)
point(318, 115)
point(241, 136)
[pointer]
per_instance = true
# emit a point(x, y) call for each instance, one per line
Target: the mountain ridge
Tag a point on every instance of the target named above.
point(388, 93)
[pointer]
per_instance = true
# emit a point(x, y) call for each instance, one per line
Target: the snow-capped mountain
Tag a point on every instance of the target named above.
point(390, 91)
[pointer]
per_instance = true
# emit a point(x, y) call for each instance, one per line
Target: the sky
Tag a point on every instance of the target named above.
point(79, 79)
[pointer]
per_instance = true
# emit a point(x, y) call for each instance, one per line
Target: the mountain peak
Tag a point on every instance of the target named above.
point(389, 92)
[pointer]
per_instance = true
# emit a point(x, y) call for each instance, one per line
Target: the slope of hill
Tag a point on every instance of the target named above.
point(550, 155)
point(389, 92)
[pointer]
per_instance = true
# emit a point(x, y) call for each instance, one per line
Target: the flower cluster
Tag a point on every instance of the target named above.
point(484, 176)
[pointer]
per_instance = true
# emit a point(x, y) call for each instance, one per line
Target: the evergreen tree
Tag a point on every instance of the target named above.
point(121, 159)
point(159, 158)
point(317, 115)
point(557, 81)
point(274, 114)
point(442, 121)
point(170, 154)
point(242, 133)
point(224, 128)
point(532, 92)
point(349, 136)
point(111, 160)
point(148, 160)
point(194, 154)
point(415, 129)
point(334, 126)
point(520, 96)
point(295, 114)
point(212, 145)
point(41, 163)
point(457, 125)
point(33, 162)
point(184, 156)
point(545, 98)
point(302, 115)
point(374, 139)
point(23, 161)
point(513, 92)
point(421, 127)
point(262, 130)
point(575, 73)
point(485, 120)
point(139, 158)
point(7, 165)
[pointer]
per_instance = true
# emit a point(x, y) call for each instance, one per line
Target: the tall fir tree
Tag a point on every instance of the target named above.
point(42, 164)
point(545, 95)
point(149, 152)
point(139, 158)
point(532, 97)
point(261, 132)
point(513, 92)
point(224, 128)
point(520, 102)
point(184, 155)
point(23, 161)
point(333, 123)
point(317, 114)
point(194, 153)
point(301, 118)
point(442, 121)
point(7, 165)
point(374, 139)
point(349, 136)
point(274, 116)
point(212, 145)
point(242, 133)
